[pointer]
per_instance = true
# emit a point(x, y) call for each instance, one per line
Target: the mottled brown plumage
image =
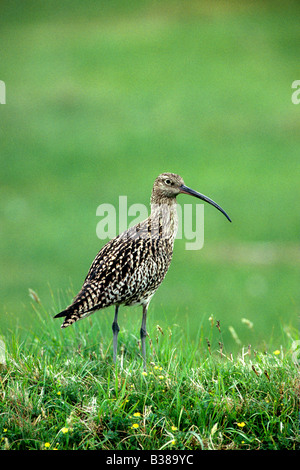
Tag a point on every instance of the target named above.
point(129, 268)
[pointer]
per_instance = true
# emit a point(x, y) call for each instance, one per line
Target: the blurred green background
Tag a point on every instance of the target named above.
point(101, 97)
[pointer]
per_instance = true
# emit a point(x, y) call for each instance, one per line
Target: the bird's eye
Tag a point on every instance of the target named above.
point(168, 181)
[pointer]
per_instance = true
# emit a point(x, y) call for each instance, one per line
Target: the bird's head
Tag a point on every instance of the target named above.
point(168, 185)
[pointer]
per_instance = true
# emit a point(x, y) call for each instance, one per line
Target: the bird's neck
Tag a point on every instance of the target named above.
point(164, 219)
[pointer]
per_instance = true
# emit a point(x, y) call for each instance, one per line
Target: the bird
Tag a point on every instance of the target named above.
point(129, 268)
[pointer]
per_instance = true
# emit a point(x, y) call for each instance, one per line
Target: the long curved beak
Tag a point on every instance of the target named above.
point(186, 190)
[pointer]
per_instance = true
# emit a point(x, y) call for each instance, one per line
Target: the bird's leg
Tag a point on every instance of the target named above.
point(116, 329)
point(144, 333)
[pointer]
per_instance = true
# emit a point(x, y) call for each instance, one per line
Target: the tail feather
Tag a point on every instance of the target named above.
point(74, 313)
point(64, 313)
point(71, 315)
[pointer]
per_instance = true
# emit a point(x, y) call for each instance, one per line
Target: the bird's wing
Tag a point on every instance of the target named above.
point(117, 274)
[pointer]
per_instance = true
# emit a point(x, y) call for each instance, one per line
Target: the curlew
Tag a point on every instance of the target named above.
point(129, 268)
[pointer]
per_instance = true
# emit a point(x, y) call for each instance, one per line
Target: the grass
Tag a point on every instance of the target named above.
point(60, 390)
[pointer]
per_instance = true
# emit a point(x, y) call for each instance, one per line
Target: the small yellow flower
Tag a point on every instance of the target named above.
point(161, 377)
point(276, 352)
point(144, 374)
point(241, 425)
point(5, 430)
point(155, 367)
point(173, 442)
point(64, 430)
point(47, 444)
point(137, 414)
point(58, 393)
point(174, 428)
point(134, 426)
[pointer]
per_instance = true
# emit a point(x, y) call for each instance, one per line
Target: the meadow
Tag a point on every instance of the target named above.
point(100, 99)
point(64, 393)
